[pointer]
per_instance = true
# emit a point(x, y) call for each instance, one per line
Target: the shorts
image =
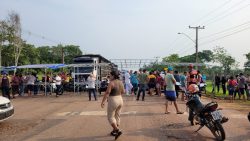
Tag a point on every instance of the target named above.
point(170, 95)
point(158, 85)
point(151, 85)
point(30, 87)
point(183, 88)
point(242, 90)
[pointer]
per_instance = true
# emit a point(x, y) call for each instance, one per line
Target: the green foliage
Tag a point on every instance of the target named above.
point(247, 63)
point(203, 57)
point(17, 52)
point(172, 58)
point(188, 59)
point(70, 51)
point(224, 59)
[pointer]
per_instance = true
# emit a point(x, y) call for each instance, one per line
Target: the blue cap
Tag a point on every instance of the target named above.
point(170, 68)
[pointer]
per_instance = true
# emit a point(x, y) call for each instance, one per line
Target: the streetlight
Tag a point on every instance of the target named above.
point(196, 47)
point(187, 36)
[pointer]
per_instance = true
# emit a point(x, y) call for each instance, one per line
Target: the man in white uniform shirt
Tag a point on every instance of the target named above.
point(58, 85)
point(91, 86)
point(128, 85)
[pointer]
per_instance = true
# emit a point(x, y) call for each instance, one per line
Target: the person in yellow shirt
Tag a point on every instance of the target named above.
point(151, 83)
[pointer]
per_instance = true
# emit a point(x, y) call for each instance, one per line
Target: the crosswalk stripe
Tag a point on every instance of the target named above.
point(92, 113)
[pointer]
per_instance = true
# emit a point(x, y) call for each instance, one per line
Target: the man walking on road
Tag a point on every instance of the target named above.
point(91, 86)
point(58, 80)
point(143, 79)
point(170, 91)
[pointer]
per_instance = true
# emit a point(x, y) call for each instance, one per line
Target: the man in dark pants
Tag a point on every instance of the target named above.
point(143, 79)
point(177, 85)
point(5, 85)
point(58, 80)
point(217, 82)
point(91, 86)
point(223, 84)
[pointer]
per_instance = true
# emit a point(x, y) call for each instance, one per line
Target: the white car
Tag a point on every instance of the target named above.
point(6, 108)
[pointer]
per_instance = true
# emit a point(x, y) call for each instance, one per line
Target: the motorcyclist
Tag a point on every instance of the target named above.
point(194, 102)
point(193, 77)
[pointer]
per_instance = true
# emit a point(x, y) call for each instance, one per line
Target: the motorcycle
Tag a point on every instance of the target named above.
point(208, 115)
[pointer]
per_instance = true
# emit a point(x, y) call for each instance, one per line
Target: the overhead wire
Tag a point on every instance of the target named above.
point(208, 42)
point(41, 37)
point(223, 12)
point(233, 12)
point(212, 11)
point(225, 30)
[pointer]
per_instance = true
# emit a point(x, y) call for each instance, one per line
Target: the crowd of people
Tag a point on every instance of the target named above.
point(20, 85)
point(234, 85)
point(135, 83)
point(155, 83)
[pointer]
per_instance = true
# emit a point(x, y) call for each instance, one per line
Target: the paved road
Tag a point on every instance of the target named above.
point(73, 118)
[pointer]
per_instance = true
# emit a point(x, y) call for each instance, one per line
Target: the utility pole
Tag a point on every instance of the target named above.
point(196, 42)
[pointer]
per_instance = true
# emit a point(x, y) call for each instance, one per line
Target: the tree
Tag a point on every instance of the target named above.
point(29, 55)
point(45, 55)
point(188, 58)
point(16, 40)
point(204, 57)
point(224, 59)
point(6, 32)
point(70, 51)
point(171, 58)
point(247, 63)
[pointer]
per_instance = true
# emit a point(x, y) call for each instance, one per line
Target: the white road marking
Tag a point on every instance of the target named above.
point(63, 113)
point(240, 116)
point(92, 113)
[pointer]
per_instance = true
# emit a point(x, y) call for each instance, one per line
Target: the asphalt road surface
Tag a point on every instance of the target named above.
point(71, 117)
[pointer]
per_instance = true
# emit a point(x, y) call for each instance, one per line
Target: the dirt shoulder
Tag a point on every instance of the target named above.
point(239, 105)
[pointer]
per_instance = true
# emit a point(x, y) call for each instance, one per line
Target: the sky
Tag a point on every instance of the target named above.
point(135, 29)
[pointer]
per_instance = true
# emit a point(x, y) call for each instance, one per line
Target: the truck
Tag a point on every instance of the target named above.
point(95, 64)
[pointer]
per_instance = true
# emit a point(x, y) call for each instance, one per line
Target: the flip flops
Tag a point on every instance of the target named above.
point(118, 134)
point(167, 112)
point(180, 113)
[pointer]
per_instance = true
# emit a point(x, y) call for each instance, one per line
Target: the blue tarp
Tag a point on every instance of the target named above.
point(45, 66)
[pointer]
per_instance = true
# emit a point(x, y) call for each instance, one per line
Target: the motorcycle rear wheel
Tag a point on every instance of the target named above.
point(218, 131)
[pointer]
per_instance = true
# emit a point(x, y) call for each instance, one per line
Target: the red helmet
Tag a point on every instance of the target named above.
point(193, 88)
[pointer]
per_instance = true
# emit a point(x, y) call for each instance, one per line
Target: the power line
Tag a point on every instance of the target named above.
point(225, 11)
point(206, 15)
point(213, 11)
point(225, 30)
point(222, 15)
point(208, 42)
point(41, 37)
point(239, 9)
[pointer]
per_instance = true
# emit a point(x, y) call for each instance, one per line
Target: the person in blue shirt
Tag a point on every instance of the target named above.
point(183, 81)
point(204, 78)
point(134, 82)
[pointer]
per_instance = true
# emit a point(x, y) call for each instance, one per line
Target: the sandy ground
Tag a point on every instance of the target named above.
point(71, 117)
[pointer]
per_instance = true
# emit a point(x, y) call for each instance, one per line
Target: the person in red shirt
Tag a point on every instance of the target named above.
point(192, 75)
point(231, 84)
point(15, 82)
